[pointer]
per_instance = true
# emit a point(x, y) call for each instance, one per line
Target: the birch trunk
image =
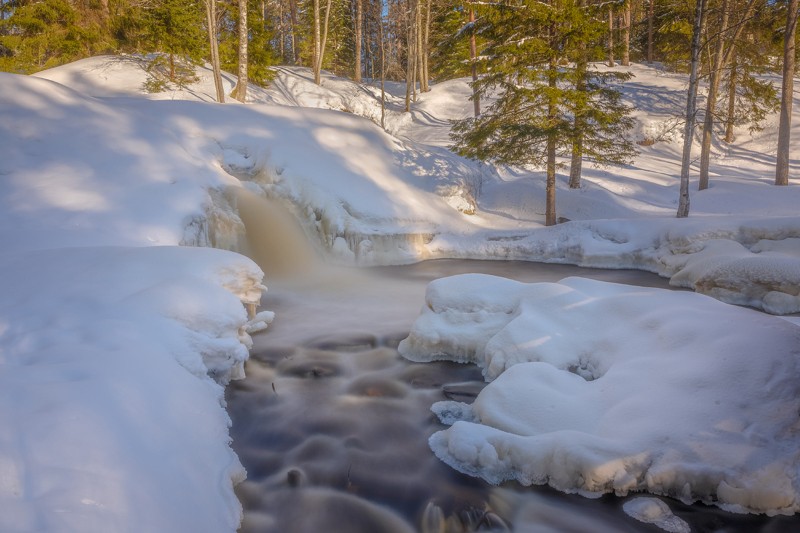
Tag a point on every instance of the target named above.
point(691, 110)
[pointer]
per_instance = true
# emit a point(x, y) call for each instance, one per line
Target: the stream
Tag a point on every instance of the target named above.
point(332, 424)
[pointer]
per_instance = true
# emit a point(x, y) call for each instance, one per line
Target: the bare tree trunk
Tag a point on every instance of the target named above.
point(611, 62)
point(420, 51)
point(787, 88)
point(281, 27)
point(317, 44)
point(359, 23)
point(293, 18)
point(722, 56)
point(240, 91)
point(320, 41)
point(626, 34)
point(550, 184)
point(383, 65)
point(473, 59)
point(426, 45)
point(691, 110)
point(211, 22)
point(711, 101)
point(651, 13)
point(579, 121)
point(410, 55)
point(729, 122)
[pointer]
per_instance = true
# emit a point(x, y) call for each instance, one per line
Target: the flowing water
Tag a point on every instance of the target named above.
point(332, 424)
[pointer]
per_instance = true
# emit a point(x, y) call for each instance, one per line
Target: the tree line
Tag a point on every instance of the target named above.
point(531, 59)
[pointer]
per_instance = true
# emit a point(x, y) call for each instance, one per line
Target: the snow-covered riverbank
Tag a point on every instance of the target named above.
point(114, 340)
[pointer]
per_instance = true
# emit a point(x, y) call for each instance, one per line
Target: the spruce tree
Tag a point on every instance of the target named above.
point(174, 28)
point(35, 35)
point(536, 89)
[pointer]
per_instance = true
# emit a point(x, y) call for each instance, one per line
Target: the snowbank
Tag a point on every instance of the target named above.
point(112, 369)
point(113, 352)
point(598, 387)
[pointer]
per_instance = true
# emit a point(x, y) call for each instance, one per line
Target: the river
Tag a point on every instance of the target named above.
point(332, 424)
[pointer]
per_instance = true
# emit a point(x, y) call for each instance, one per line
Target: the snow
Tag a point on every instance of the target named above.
point(118, 332)
point(111, 373)
point(598, 387)
point(654, 511)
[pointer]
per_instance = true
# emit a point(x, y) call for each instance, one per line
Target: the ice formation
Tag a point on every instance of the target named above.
point(598, 387)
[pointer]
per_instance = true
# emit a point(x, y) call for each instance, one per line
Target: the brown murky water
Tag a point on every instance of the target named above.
point(332, 424)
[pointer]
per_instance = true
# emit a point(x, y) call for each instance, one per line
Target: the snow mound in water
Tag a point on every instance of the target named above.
point(599, 387)
point(654, 511)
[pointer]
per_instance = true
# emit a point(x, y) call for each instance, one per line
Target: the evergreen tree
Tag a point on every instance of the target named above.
point(40, 34)
point(537, 92)
point(174, 28)
point(750, 96)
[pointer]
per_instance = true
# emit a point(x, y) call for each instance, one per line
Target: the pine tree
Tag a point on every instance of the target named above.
point(537, 92)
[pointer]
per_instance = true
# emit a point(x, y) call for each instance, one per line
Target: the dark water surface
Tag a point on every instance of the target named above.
point(332, 424)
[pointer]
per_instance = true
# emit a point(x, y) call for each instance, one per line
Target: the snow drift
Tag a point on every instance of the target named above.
point(598, 387)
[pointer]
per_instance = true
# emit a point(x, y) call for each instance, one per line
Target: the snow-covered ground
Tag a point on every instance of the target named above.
point(115, 341)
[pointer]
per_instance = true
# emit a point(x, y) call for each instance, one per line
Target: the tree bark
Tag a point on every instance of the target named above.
point(651, 13)
point(626, 34)
point(359, 37)
point(211, 22)
point(240, 91)
point(420, 52)
point(473, 59)
point(320, 41)
point(579, 121)
point(292, 30)
point(611, 62)
point(383, 65)
point(410, 54)
point(317, 44)
point(711, 101)
point(426, 38)
point(730, 119)
point(691, 110)
point(550, 185)
point(787, 88)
